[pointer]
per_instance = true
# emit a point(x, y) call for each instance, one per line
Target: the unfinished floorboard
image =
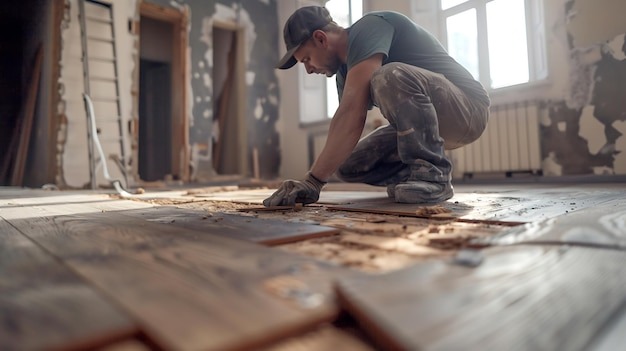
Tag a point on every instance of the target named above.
point(263, 231)
point(126, 345)
point(71, 203)
point(613, 337)
point(45, 306)
point(326, 338)
point(521, 298)
point(444, 211)
point(503, 207)
point(189, 290)
point(326, 197)
point(267, 232)
point(600, 226)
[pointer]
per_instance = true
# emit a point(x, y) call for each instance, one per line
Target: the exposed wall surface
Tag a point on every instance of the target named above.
point(72, 152)
point(258, 21)
point(585, 131)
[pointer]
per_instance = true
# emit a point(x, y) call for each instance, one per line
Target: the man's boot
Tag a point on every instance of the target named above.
point(420, 191)
point(421, 148)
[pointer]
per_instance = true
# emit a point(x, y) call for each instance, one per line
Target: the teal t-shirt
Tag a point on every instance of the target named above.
point(401, 40)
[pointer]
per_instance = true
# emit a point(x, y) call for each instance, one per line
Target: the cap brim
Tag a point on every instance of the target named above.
point(288, 60)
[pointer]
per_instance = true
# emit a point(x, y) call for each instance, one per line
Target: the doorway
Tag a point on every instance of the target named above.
point(230, 146)
point(29, 45)
point(162, 125)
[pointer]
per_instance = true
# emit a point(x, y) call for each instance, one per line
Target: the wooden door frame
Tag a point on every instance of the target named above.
point(58, 11)
point(240, 92)
point(180, 124)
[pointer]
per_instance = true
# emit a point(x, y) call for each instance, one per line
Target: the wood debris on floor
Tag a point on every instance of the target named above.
point(209, 268)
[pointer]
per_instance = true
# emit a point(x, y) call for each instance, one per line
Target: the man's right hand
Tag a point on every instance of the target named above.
point(290, 192)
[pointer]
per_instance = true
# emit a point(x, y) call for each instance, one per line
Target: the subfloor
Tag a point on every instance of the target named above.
point(539, 266)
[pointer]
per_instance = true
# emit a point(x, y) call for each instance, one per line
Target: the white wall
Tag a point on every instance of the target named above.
point(73, 162)
point(293, 137)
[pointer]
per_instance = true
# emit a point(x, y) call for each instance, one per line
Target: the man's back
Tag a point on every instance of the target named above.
point(401, 40)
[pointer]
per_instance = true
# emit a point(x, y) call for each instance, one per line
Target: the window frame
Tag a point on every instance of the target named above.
point(538, 72)
point(332, 81)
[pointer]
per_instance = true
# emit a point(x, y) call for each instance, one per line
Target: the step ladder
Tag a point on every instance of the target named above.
point(101, 85)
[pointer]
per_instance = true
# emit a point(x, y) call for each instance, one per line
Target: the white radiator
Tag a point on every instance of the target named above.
point(510, 144)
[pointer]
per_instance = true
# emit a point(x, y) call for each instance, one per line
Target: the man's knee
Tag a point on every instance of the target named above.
point(385, 76)
point(347, 172)
point(395, 82)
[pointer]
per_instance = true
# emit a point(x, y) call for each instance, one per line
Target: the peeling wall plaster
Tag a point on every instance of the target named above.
point(258, 19)
point(585, 132)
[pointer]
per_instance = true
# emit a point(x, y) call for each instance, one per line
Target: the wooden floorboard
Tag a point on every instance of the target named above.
point(257, 196)
point(187, 289)
point(510, 206)
point(613, 337)
point(263, 231)
point(519, 298)
point(44, 305)
point(184, 280)
point(603, 225)
point(326, 338)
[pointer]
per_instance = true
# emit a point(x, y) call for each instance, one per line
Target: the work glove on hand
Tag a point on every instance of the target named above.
point(290, 192)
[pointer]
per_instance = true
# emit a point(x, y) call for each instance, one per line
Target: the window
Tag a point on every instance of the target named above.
point(501, 42)
point(344, 13)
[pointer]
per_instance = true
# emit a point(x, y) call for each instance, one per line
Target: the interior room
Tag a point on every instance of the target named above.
point(141, 142)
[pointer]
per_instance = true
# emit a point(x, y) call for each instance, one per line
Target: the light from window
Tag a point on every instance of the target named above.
point(508, 49)
point(463, 40)
point(491, 39)
point(446, 4)
point(344, 13)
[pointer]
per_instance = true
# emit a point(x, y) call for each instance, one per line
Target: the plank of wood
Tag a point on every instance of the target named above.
point(257, 196)
point(264, 231)
point(392, 244)
point(76, 203)
point(521, 297)
point(504, 206)
point(600, 226)
point(444, 211)
point(126, 345)
point(44, 305)
point(530, 204)
point(323, 339)
point(190, 290)
point(613, 337)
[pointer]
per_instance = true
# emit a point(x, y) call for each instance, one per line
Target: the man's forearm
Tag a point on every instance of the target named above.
point(343, 135)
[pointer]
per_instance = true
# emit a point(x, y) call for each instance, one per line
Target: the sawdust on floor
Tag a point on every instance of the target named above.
point(367, 242)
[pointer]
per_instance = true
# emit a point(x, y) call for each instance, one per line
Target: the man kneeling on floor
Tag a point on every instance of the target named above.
point(431, 102)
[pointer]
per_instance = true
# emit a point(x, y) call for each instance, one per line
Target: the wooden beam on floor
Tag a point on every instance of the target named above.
point(45, 305)
point(601, 226)
point(263, 231)
point(189, 290)
point(531, 297)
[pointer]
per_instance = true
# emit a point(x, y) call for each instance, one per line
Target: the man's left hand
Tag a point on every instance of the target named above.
point(290, 192)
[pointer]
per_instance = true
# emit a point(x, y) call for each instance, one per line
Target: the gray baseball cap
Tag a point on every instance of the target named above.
point(299, 28)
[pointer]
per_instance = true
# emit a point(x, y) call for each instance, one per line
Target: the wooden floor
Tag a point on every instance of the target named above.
point(497, 267)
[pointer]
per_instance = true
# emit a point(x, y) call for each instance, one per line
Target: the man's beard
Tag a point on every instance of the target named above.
point(333, 67)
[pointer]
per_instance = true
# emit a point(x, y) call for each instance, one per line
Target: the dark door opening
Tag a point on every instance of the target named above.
point(155, 100)
point(25, 49)
point(155, 142)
